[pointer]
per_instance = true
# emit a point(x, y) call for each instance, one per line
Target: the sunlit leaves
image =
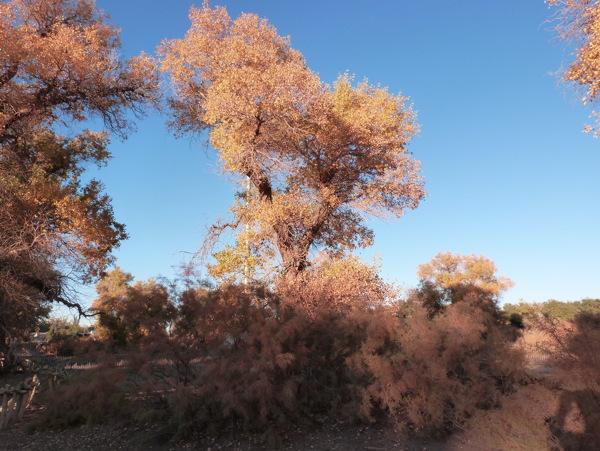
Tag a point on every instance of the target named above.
point(579, 21)
point(59, 65)
point(318, 157)
point(448, 270)
point(59, 62)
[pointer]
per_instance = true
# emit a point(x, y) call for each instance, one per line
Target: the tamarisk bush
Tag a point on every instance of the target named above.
point(339, 342)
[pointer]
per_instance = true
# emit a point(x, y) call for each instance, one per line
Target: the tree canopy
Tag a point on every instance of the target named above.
point(58, 66)
point(449, 278)
point(318, 157)
point(59, 62)
point(131, 311)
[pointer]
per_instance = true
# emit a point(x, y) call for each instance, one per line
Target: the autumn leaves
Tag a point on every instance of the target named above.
point(319, 157)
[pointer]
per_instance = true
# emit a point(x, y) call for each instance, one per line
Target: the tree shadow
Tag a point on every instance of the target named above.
point(588, 403)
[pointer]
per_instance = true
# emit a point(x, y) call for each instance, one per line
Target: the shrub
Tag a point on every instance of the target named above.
point(275, 358)
point(333, 343)
point(520, 424)
point(62, 328)
point(277, 370)
point(577, 350)
point(61, 336)
point(574, 346)
point(95, 397)
point(432, 374)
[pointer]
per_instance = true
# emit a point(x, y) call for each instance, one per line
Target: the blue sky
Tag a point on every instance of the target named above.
point(508, 171)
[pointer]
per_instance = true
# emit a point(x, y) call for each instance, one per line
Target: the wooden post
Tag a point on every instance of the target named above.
point(20, 403)
point(4, 406)
point(7, 406)
point(36, 382)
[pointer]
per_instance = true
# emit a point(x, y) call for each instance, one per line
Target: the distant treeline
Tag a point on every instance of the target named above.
point(552, 308)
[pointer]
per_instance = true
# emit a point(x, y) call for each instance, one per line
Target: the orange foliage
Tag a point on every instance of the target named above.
point(129, 312)
point(317, 156)
point(337, 285)
point(579, 20)
point(433, 374)
point(59, 62)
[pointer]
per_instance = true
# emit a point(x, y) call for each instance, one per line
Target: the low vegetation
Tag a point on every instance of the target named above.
point(258, 359)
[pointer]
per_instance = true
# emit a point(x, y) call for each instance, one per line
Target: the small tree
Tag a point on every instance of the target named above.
point(129, 312)
point(62, 328)
point(450, 278)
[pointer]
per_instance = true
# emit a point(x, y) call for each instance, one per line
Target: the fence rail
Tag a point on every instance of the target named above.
point(15, 400)
point(538, 358)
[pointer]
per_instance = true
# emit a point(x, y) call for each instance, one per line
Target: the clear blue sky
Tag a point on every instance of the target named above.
point(508, 171)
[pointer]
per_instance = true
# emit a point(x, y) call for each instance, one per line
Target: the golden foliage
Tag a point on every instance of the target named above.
point(49, 222)
point(448, 271)
point(59, 61)
point(318, 157)
point(450, 278)
point(579, 21)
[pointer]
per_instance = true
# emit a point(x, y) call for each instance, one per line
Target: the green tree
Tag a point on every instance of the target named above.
point(562, 310)
point(590, 305)
point(62, 328)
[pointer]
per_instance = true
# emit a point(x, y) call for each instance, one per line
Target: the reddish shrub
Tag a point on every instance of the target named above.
point(95, 397)
point(335, 345)
point(432, 374)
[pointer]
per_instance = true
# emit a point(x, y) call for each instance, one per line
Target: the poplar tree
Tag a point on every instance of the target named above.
point(320, 158)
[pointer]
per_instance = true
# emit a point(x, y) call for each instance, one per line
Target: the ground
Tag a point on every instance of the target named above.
point(328, 435)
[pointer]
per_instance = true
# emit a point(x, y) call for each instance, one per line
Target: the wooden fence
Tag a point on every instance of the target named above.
point(15, 400)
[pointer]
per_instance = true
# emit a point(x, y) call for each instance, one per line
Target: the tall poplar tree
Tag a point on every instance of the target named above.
point(319, 157)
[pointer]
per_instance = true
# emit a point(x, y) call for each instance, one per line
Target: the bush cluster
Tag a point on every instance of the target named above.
point(335, 344)
point(336, 341)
